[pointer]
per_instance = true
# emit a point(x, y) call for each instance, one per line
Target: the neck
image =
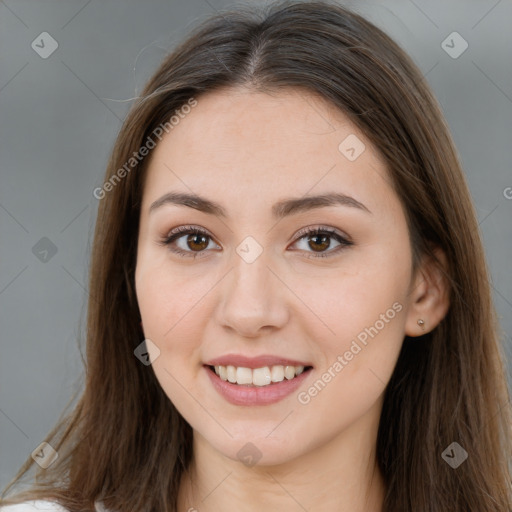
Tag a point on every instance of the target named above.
point(339, 476)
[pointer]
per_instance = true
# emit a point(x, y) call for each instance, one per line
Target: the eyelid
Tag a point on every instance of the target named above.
point(324, 229)
point(181, 231)
point(343, 239)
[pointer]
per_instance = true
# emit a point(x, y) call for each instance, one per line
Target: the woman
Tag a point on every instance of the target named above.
point(290, 306)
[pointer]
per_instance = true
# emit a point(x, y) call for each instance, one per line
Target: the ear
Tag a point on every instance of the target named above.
point(429, 296)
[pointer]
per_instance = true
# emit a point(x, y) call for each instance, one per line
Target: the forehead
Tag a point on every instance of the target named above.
point(238, 145)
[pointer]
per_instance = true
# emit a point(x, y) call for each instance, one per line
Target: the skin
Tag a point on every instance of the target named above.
point(247, 150)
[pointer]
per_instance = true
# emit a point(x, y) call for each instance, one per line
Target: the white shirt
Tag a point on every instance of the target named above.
point(41, 506)
point(34, 506)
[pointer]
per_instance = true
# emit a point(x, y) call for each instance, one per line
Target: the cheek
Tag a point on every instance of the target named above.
point(367, 341)
point(172, 323)
point(174, 313)
point(358, 297)
point(365, 311)
point(168, 300)
point(357, 363)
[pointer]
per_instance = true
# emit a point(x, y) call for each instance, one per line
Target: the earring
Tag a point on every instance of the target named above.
point(421, 323)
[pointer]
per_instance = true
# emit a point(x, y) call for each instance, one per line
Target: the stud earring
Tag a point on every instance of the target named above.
point(421, 323)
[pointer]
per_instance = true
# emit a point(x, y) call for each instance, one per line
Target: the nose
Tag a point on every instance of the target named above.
point(253, 298)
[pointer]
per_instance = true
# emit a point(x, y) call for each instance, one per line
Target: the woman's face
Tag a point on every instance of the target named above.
point(256, 293)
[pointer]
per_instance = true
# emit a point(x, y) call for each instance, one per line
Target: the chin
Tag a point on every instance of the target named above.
point(258, 450)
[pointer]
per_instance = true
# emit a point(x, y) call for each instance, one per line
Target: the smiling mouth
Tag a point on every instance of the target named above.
point(258, 377)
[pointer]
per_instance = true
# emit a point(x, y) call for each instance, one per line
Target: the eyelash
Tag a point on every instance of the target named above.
point(303, 233)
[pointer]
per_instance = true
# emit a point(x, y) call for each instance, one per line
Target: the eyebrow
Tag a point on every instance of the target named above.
point(280, 209)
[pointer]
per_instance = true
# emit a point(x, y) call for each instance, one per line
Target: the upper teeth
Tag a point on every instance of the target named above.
point(259, 376)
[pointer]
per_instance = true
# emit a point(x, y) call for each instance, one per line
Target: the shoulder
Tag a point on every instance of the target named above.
point(44, 506)
point(34, 506)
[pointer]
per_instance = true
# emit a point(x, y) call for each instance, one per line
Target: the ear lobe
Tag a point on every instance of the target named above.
point(430, 295)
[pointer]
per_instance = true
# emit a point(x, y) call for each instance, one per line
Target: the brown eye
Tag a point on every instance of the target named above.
point(193, 240)
point(320, 239)
point(320, 242)
point(197, 242)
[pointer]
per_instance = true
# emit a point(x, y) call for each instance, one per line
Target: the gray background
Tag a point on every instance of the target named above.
point(60, 116)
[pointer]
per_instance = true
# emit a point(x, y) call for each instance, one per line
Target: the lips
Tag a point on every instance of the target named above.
point(250, 395)
point(260, 380)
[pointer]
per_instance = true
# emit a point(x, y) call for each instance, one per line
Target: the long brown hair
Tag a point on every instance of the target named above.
point(125, 444)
